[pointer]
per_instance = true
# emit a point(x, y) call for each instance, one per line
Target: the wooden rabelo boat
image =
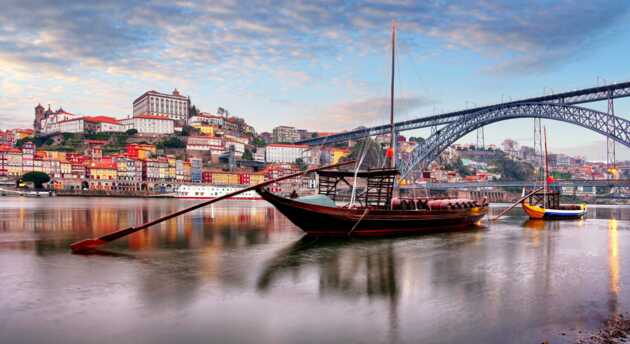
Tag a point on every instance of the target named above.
point(545, 204)
point(376, 212)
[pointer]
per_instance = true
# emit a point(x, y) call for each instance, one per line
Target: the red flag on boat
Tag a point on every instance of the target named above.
point(389, 153)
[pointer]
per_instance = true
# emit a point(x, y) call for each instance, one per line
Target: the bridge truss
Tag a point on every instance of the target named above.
point(608, 92)
point(454, 125)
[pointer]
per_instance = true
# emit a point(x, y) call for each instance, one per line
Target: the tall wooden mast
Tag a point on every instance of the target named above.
point(546, 186)
point(392, 143)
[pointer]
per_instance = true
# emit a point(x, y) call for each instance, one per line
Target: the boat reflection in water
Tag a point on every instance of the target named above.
point(371, 270)
point(350, 269)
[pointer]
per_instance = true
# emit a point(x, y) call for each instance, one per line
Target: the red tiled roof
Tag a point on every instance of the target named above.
point(96, 119)
point(153, 117)
point(102, 165)
point(101, 119)
point(24, 130)
point(9, 149)
point(287, 145)
point(209, 115)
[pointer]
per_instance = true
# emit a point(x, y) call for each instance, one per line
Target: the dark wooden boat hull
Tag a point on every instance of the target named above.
point(320, 220)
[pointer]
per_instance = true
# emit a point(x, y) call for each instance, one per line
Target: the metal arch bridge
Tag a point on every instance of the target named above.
point(614, 127)
point(454, 125)
point(588, 95)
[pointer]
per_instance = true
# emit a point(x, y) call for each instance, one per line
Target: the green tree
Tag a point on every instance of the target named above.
point(188, 131)
point(301, 164)
point(459, 167)
point(417, 139)
point(247, 155)
point(19, 143)
point(193, 111)
point(259, 142)
point(511, 169)
point(131, 132)
point(92, 135)
point(37, 178)
point(560, 175)
point(121, 138)
point(171, 142)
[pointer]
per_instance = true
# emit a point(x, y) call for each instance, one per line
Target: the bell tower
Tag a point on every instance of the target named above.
point(39, 115)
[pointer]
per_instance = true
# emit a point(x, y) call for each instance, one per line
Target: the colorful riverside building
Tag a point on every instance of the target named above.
point(243, 178)
point(128, 174)
point(138, 169)
point(10, 161)
point(102, 175)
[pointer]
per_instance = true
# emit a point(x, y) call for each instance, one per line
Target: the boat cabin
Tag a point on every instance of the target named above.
point(377, 186)
point(553, 200)
point(538, 198)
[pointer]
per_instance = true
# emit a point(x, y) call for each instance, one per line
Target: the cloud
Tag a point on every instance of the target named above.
point(137, 45)
point(368, 111)
point(163, 37)
point(594, 151)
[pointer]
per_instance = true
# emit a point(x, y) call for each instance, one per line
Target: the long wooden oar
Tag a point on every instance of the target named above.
point(91, 244)
point(515, 203)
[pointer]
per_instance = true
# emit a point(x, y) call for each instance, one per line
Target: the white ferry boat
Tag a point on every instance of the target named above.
point(213, 191)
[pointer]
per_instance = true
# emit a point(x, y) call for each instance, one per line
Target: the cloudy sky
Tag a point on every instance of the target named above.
point(322, 65)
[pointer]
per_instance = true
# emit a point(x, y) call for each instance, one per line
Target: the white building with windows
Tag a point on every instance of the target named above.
point(207, 119)
point(285, 134)
point(150, 125)
point(285, 153)
point(203, 143)
point(97, 124)
point(173, 106)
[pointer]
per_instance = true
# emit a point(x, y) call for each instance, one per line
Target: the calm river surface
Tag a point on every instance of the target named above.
point(239, 272)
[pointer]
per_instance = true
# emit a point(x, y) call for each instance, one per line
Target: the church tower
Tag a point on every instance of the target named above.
point(39, 115)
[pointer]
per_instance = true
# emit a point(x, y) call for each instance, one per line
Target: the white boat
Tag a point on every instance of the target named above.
point(28, 193)
point(213, 191)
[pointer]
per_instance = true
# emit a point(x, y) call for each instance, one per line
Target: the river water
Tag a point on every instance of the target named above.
point(239, 272)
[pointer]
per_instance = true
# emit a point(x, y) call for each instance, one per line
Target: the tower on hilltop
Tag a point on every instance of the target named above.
point(39, 115)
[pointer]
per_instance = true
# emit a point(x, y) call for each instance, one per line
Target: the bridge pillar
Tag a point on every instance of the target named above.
point(610, 143)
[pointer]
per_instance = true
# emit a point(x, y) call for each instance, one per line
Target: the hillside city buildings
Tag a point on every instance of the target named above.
point(163, 145)
point(133, 154)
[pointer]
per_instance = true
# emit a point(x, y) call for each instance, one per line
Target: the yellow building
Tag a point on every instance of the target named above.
point(54, 155)
point(256, 179)
point(102, 171)
point(187, 171)
point(65, 168)
point(225, 178)
point(172, 169)
point(204, 129)
point(102, 175)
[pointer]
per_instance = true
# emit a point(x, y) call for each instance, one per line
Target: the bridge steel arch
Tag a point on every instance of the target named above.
point(617, 129)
